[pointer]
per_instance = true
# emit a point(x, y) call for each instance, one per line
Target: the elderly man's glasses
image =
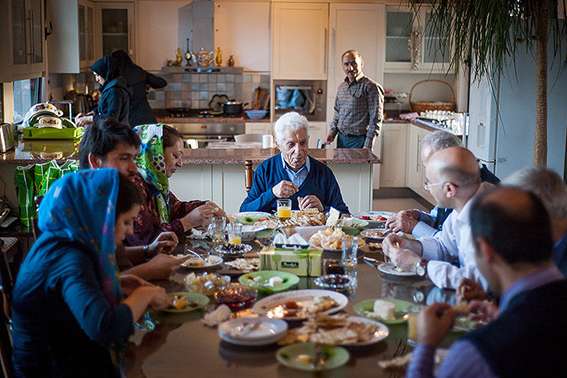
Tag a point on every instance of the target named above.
point(427, 185)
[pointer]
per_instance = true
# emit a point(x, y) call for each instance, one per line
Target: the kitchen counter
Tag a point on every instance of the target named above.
point(164, 117)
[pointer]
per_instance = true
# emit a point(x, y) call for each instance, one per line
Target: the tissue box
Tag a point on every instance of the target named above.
point(302, 262)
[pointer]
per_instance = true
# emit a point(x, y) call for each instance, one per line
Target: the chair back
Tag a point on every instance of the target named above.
point(248, 175)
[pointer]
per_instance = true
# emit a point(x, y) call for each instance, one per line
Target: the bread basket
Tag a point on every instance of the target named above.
point(423, 106)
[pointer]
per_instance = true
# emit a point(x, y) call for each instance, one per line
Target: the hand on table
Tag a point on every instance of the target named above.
point(158, 298)
point(201, 216)
point(165, 242)
point(162, 265)
point(434, 323)
point(469, 290)
point(284, 189)
point(484, 311)
point(403, 221)
point(130, 282)
point(396, 248)
point(310, 202)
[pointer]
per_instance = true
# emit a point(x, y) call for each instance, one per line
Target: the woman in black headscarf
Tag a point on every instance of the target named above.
point(138, 81)
point(114, 101)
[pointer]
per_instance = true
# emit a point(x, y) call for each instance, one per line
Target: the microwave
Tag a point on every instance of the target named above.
point(307, 97)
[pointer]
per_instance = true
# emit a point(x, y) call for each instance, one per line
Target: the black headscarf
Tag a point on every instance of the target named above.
point(108, 67)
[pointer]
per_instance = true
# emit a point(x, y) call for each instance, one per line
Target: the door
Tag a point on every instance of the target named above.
point(27, 39)
point(117, 27)
point(299, 41)
point(359, 27)
point(399, 38)
point(393, 172)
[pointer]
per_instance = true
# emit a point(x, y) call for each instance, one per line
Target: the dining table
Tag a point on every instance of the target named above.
point(182, 346)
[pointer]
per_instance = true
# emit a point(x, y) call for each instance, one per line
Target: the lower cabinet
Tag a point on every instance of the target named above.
point(393, 151)
point(415, 171)
point(258, 128)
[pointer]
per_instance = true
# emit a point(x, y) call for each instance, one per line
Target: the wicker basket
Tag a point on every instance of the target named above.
point(422, 106)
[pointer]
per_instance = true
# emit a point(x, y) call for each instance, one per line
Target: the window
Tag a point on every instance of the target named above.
point(26, 94)
point(1, 102)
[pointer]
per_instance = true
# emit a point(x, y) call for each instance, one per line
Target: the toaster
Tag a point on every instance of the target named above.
point(7, 137)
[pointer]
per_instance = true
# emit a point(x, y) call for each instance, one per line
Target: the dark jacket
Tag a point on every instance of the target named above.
point(138, 79)
point(114, 101)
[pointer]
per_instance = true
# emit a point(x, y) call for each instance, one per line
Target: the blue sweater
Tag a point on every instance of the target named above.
point(62, 322)
point(320, 182)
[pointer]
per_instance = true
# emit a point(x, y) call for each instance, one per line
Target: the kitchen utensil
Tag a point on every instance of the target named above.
point(7, 140)
point(256, 114)
point(233, 107)
point(217, 101)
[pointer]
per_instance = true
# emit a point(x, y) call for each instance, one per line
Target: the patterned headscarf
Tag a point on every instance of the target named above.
point(80, 208)
point(151, 165)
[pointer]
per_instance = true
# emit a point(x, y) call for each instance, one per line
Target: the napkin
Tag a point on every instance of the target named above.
point(333, 218)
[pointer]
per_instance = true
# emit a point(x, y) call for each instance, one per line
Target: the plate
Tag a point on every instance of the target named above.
point(265, 331)
point(239, 253)
point(380, 334)
point(263, 306)
point(251, 217)
point(375, 234)
point(402, 308)
point(199, 300)
point(210, 262)
point(352, 226)
point(390, 269)
point(289, 280)
point(374, 215)
point(287, 356)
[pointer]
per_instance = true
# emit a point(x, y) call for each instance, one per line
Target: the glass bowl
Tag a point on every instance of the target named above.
point(236, 296)
point(334, 282)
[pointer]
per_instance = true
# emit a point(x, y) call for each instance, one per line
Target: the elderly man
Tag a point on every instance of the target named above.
point(512, 236)
point(359, 106)
point(293, 173)
point(453, 179)
point(419, 223)
point(552, 191)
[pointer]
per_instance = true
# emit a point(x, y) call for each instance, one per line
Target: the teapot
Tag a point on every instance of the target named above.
point(204, 58)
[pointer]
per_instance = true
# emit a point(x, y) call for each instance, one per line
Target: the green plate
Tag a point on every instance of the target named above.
point(251, 217)
point(289, 280)
point(402, 308)
point(196, 301)
point(336, 357)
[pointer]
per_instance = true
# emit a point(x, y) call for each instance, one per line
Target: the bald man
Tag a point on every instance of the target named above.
point(453, 179)
point(359, 106)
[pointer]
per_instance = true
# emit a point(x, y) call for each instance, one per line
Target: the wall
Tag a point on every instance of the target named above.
point(155, 20)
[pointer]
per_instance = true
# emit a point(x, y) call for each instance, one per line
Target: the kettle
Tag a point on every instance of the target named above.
point(7, 139)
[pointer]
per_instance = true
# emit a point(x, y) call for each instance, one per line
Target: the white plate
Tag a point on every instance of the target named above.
point(263, 306)
point(268, 332)
point(381, 333)
point(385, 214)
point(210, 262)
point(253, 214)
point(390, 269)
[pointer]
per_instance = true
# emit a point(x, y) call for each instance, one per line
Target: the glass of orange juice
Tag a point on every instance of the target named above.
point(234, 231)
point(412, 314)
point(284, 208)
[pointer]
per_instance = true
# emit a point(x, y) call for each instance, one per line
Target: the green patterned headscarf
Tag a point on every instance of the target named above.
point(151, 165)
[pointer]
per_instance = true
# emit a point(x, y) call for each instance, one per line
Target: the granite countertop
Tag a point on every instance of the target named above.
point(39, 151)
point(164, 117)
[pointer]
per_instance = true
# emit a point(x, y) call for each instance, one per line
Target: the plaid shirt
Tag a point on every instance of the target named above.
point(359, 109)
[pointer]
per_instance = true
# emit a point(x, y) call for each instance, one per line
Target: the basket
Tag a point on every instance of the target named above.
point(423, 106)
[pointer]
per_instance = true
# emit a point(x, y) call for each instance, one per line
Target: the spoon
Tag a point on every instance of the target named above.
point(194, 254)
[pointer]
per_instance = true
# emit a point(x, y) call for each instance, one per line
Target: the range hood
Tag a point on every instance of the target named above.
point(196, 25)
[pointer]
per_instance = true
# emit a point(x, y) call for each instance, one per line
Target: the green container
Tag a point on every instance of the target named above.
point(52, 133)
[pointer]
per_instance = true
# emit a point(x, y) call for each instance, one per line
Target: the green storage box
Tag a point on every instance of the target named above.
point(301, 262)
point(53, 133)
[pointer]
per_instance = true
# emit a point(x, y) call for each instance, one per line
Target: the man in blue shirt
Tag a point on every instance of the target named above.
point(293, 173)
point(533, 298)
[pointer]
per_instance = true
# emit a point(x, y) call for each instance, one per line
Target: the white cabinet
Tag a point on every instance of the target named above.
point(359, 27)
point(117, 27)
point(248, 42)
point(24, 42)
point(415, 171)
point(258, 128)
point(393, 155)
point(71, 46)
point(317, 134)
point(299, 41)
point(412, 44)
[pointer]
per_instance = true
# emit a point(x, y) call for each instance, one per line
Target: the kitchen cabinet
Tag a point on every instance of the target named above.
point(71, 45)
point(248, 42)
point(258, 128)
point(117, 27)
point(393, 155)
point(299, 41)
point(412, 44)
point(24, 45)
point(348, 22)
point(415, 171)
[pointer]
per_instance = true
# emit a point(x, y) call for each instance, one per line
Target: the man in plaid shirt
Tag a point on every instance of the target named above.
point(358, 107)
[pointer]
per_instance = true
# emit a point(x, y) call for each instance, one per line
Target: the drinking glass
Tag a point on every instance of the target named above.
point(284, 208)
point(334, 266)
point(234, 231)
point(216, 230)
point(413, 312)
point(349, 257)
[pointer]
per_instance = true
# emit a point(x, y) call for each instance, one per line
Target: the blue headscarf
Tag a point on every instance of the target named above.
point(80, 208)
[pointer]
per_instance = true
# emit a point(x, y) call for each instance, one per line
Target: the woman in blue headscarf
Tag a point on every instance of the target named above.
point(71, 312)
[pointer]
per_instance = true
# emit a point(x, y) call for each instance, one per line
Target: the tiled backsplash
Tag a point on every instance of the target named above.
point(194, 90)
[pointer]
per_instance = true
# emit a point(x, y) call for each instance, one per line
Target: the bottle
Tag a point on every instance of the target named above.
point(231, 61)
point(178, 57)
point(218, 57)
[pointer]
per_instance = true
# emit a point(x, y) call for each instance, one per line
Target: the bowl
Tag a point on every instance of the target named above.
point(236, 296)
point(256, 114)
point(334, 282)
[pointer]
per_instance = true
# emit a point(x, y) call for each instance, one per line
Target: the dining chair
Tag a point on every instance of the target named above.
point(248, 175)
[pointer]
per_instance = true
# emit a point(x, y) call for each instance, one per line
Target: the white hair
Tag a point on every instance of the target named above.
point(291, 121)
point(440, 140)
point(545, 184)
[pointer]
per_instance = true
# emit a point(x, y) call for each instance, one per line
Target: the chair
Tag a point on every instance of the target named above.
point(7, 280)
point(248, 175)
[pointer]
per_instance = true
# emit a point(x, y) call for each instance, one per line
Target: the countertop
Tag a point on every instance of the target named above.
point(39, 151)
point(164, 117)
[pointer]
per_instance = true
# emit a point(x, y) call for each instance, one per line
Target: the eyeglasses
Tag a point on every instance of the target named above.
point(427, 186)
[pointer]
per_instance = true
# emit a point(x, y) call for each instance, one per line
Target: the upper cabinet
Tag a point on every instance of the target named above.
point(412, 42)
point(299, 41)
point(117, 27)
point(248, 42)
point(354, 26)
point(24, 42)
point(71, 46)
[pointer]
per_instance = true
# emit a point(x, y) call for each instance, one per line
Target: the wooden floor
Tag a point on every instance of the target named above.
point(396, 204)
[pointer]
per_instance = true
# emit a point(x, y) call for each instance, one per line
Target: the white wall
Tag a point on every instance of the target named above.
point(155, 20)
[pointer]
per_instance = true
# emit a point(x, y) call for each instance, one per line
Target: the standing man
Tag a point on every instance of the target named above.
point(359, 106)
